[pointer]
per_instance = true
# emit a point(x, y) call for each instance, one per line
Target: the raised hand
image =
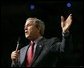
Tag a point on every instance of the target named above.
point(65, 24)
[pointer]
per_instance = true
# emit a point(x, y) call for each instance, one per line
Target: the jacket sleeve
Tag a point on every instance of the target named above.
point(64, 44)
point(15, 64)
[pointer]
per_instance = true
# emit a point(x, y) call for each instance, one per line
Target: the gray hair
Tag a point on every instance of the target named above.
point(39, 24)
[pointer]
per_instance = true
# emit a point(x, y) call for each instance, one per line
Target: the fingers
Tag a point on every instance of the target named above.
point(65, 24)
point(69, 20)
point(70, 16)
point(15, 55)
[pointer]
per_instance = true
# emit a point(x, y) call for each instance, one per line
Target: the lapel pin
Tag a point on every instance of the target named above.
point(40, 46)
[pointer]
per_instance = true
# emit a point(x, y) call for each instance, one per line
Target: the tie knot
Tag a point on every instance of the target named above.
point(32, 43)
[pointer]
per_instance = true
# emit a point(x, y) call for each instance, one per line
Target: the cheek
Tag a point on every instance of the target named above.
point(32, 30)
point(35, 30)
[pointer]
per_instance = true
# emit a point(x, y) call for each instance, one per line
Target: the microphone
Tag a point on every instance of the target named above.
point(14, 61)
point(17, 44)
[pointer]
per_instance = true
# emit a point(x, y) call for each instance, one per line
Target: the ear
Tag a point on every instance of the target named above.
point(39, 29)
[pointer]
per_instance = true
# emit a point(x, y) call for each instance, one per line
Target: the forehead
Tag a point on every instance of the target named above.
point(29, 22)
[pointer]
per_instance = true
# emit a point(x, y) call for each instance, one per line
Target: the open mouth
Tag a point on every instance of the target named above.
point(25, 31)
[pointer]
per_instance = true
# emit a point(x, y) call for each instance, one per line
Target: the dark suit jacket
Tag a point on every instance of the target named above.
point(48, 53)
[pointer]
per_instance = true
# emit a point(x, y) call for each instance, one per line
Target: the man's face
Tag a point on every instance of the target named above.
point(31, 31)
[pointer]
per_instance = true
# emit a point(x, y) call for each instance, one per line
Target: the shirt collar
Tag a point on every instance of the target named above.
point(37, 40)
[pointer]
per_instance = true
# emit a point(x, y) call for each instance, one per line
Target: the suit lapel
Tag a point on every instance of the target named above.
point(38, 49)
point(23, 54)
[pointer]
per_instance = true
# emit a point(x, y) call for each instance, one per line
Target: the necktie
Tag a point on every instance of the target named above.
point(30, 53)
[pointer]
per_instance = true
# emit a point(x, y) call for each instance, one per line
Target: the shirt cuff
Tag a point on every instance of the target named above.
point(65, 34)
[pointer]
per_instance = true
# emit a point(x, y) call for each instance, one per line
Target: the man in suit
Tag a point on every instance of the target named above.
point(46, 52)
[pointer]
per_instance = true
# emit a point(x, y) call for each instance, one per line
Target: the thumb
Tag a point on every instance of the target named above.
point(62, 19)
point(18, 51)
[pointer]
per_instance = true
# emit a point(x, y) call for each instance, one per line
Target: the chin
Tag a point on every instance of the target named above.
point(26, 36)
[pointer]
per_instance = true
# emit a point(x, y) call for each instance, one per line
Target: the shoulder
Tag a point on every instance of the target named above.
point(53, 39)
point(50, 41)
point(24, 48)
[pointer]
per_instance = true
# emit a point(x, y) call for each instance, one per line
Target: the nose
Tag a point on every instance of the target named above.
point(25, 27)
